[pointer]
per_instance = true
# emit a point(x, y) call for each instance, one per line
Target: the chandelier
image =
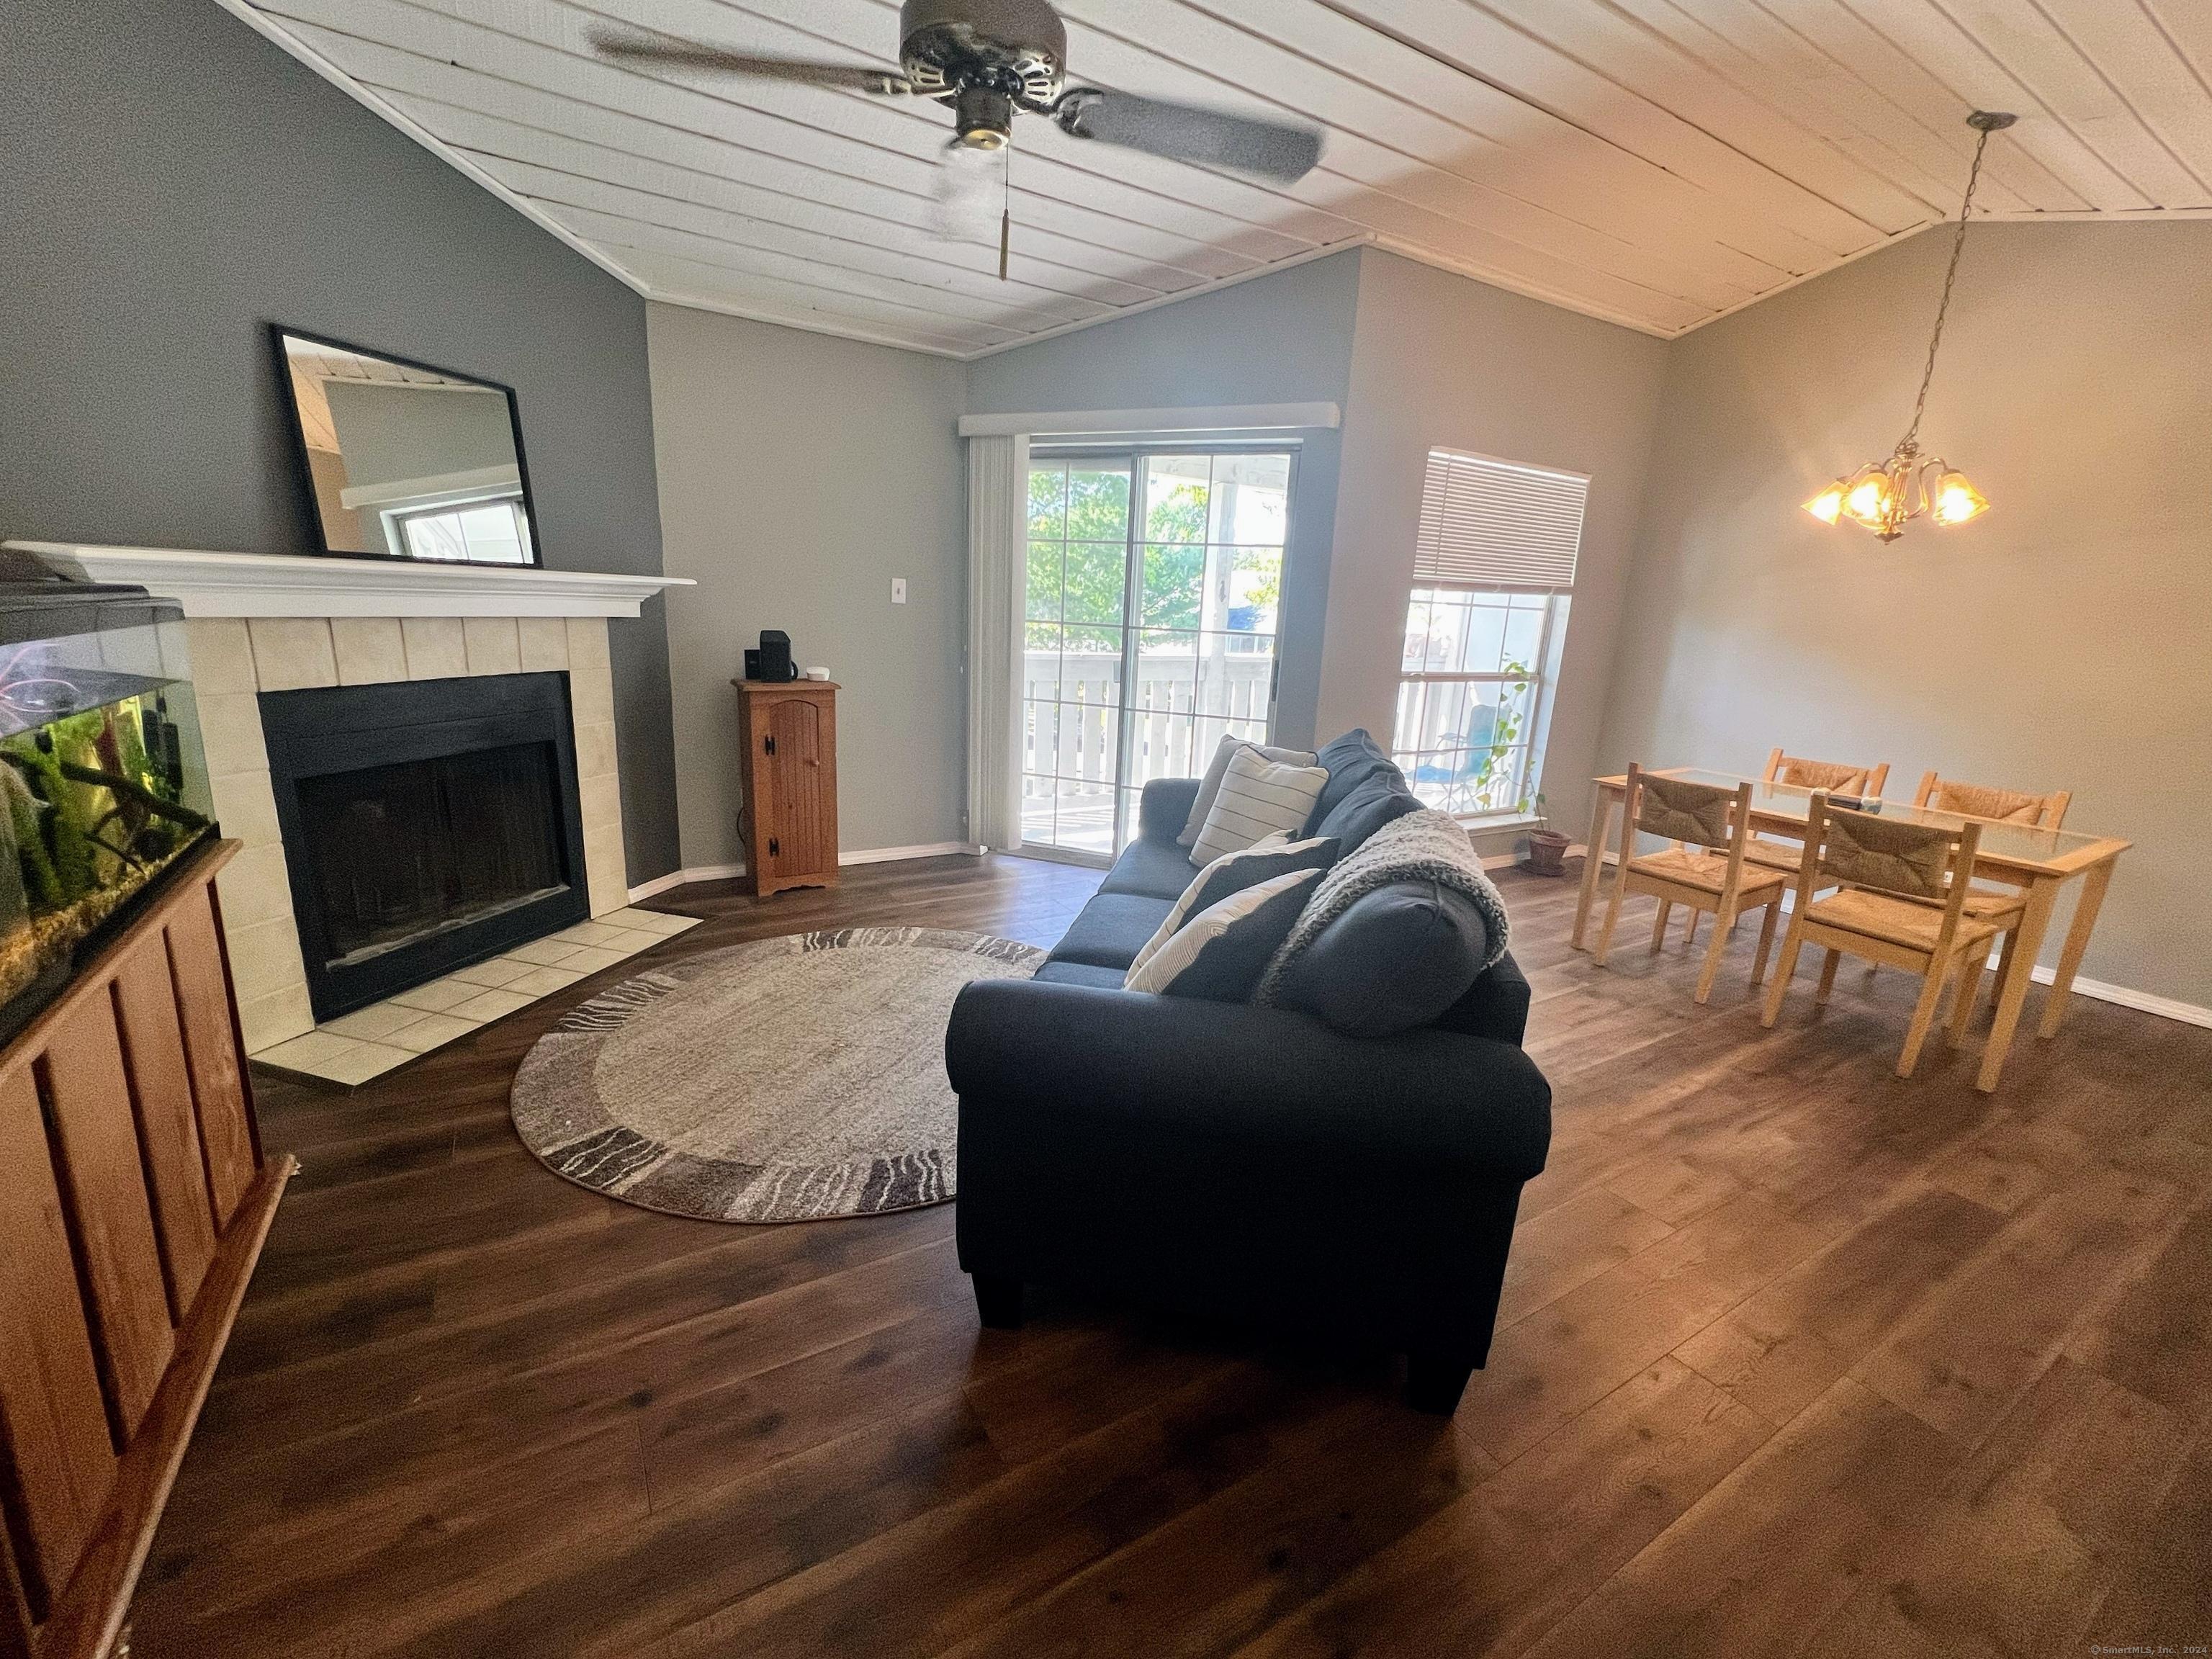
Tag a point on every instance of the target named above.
point(1885, 496)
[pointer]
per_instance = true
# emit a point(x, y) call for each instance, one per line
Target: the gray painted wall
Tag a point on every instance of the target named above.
point(175, 183)
point(1280, 338)
point(1440, 360)
point(2060, 641)
point(798, 474)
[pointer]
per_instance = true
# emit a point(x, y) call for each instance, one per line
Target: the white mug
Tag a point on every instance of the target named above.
point(816, 673)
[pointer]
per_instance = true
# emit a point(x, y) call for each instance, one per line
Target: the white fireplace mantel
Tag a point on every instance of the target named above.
point(289, 584)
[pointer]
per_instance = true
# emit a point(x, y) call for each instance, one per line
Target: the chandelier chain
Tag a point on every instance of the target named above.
point(1943, 306)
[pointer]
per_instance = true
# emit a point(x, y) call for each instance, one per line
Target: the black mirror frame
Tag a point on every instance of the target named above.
point(303, 478)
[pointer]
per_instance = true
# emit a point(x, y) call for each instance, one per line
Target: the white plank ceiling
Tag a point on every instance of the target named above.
point(1656, 162)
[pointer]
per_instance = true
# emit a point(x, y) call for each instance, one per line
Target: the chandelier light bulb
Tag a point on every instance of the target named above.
point(1957, 501)
point(1828, 505)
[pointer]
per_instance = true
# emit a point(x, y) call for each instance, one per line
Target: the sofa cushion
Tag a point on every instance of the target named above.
point(1258, 798)
point(1396, 959)
point(1079, 973)
point(1112, 929)
point(1210, 785)
point(1350, 760)
point(1271, 856)
point(1367, 809)
point(1155, 869)
point(1220, 953)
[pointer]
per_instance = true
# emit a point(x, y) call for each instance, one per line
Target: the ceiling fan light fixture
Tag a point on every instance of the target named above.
point(983, 119)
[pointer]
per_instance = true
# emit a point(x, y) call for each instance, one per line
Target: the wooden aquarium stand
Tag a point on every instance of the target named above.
point(134, 1198)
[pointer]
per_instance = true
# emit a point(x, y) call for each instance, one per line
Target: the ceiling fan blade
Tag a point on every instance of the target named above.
point(639, 48)
point(1188, 132)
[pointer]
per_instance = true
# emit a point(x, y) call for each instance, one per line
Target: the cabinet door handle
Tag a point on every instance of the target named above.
point(774, 849)
point(769, 743)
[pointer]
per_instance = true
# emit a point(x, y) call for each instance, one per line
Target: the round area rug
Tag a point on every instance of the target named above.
point(785, 1081)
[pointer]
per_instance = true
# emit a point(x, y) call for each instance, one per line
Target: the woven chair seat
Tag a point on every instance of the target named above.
point(1909, 922)
point(1706, 872)
point(1773, 854)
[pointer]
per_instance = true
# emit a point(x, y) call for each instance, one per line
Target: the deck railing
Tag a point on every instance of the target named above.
point(1072, 705)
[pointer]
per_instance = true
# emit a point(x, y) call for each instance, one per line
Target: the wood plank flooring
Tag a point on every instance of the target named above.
point(1795, 1358)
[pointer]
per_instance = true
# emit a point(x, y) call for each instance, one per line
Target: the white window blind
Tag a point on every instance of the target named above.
point(1494, 524)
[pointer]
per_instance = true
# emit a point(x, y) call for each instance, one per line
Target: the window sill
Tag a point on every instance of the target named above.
point(1477, 824)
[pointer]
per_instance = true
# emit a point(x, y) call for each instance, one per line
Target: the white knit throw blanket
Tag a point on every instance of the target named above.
point(1424, 845)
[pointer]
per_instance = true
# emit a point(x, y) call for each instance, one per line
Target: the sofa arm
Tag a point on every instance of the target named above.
point(1165, 808)
point(1496, 1005)
point(1239, 1075)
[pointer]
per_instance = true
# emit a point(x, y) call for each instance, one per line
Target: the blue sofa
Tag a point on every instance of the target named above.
point(1251, 1164)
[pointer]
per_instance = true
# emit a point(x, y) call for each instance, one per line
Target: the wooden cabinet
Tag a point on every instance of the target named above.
point(133, 1202)
point(789, 731)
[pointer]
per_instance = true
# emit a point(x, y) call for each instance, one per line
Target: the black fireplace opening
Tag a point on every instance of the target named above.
point(427, 824)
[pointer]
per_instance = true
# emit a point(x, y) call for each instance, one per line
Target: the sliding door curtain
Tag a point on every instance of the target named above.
point(998, 516)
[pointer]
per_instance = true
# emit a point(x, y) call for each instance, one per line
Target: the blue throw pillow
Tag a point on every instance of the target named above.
point(1350, 760)
point(1383, 797)
point(1398, 958)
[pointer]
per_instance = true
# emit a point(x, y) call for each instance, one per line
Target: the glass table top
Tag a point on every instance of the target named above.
point(2018, 842)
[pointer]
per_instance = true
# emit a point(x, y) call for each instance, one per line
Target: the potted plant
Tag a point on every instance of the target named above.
point(1547, 847)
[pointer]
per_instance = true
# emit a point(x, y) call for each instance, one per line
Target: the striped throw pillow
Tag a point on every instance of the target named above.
point(1218, 955)
point(1210, 785)
point(1258, 797)
point(1265, 858)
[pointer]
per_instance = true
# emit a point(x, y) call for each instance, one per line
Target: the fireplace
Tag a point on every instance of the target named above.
point(427, 825)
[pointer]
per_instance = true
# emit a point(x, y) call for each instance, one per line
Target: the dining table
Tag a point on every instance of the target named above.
point(2039, 863)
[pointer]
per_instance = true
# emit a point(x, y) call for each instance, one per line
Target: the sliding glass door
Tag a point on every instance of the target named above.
point(1153, 587)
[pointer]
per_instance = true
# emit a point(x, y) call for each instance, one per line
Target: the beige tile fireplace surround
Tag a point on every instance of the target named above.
point(264, 623)
point(234, 659)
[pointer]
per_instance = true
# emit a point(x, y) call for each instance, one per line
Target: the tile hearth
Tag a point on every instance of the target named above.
point(374, 1040)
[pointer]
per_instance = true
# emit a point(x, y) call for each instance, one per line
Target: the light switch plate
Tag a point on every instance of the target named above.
point(898, 589)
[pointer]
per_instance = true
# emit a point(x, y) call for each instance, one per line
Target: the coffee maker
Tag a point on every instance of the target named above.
point(772, 660)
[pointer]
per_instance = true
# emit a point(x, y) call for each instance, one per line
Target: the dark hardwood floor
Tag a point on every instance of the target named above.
point(1795, 1358)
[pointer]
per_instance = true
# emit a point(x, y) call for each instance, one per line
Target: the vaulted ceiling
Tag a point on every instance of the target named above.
point(1655, 162)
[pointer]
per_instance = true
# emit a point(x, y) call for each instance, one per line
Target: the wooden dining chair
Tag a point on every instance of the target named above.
point(1981, 800)
point(1901, 902)
point(1706, 870)
point(1837, 777)
point(2002, 905)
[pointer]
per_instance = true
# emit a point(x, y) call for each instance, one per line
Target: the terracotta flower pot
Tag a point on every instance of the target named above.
point(1547, 852)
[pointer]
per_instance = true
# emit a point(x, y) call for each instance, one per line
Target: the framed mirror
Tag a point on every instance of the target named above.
point(401, 460)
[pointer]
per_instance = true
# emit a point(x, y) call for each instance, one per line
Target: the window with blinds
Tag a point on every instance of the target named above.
point(1493, 571)
point(1498, 525)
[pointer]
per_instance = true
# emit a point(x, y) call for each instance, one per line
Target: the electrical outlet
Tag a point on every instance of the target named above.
point(898, 589)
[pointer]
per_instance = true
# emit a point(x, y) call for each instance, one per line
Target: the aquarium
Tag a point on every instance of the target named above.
point(100, 765)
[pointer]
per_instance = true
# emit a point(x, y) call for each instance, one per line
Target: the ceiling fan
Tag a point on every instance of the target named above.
point(989, 59)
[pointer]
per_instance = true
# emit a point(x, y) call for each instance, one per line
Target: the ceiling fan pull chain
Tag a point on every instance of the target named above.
point(1005, 210)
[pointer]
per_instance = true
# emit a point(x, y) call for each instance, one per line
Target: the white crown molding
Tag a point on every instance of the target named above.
point(290, 585)
point(1091, 422)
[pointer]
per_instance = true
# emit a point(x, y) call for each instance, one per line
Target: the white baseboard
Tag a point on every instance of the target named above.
point(659, 885)
point(690, 874)
point(2142, 1001)
point(934, 849)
